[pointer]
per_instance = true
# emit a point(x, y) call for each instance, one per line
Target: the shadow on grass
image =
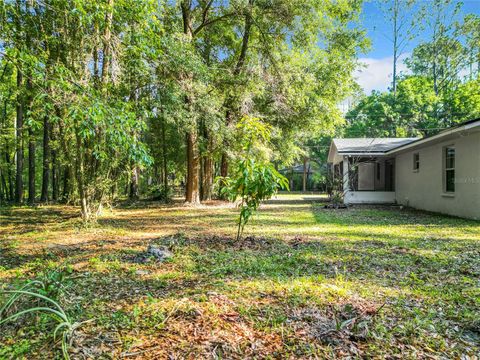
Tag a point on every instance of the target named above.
point(362, 254)
point(387, 215)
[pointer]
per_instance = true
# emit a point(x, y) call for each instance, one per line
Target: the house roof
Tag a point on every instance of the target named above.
point(295, 169)
point(313, 165)
point(459, 128)
point(369, 145)
point(390, 146)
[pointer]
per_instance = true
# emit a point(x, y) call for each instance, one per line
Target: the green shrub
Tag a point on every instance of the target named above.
point(160, 193)
point(254, 178)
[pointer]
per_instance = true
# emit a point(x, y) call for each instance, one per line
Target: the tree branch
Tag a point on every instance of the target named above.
point(210, 22)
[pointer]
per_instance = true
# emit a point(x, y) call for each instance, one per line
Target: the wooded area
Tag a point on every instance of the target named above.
point(104, 99)
point(115, 99)
point(442, 87)
point(176, 120)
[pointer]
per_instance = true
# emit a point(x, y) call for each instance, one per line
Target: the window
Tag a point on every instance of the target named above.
point(416, 162)
point(378, 171)
point(449, 169)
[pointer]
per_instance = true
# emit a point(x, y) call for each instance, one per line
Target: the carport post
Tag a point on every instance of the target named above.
point(345, 174)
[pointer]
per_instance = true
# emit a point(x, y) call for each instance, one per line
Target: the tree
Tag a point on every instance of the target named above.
point(255, 178)
point(470, 30)
point(442, 58)
point(400, 14)
point(436, 95)
point(374, 116)
point(7, 144)
point(103, 86)
point(464, 102)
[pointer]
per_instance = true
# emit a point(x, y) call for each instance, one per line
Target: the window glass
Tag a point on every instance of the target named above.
point(416, 161)
point(450, 158)
point(450, 169)
point(450, 180)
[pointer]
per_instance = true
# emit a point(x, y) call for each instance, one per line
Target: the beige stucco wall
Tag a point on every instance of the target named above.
point(424, 189)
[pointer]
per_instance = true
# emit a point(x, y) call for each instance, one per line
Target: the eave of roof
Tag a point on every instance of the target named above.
point(370, 153)
point(370, 146)
point(457, 128)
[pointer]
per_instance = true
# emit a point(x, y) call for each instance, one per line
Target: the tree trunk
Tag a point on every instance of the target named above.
point(207, 169)
point(192, 192)
point(164, 157)
point(46, 159)
point(9, 173)
point(304, 174)
point(31, 166)
point(19, 138)
point(230, 101)
point(395, 47)
point(106, 41)
point(207, 178)
point(291, 179)
point(31, 148)
point(8, 189)
point(133, 194)
point(79, 173)
point(54, 175)
point(67, 186)
point(69, 174)
point(2, 181)
point(224, 165)
point(308, 174)
point(54, 153)
point(3, 188)
point(31, 136)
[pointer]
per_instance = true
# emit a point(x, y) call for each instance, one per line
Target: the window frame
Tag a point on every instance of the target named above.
point(416, 162)
point(447, 169)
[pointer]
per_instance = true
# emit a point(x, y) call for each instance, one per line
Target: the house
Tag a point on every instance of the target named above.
point(439, 173)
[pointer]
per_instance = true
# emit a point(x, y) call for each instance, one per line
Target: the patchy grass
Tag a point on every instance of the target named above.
point(306, 282)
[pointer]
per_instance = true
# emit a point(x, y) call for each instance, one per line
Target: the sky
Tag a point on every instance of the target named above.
point(377, 73)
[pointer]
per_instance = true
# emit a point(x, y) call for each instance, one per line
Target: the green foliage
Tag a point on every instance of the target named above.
point(415, 110)
point(255, 178)
point(435, 96)
point(18, 350)
point(53, 282)
point(116, 86)
point(160, 193)
point(35, 289)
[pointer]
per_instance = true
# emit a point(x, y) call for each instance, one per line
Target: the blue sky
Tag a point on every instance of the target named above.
point(377, 74)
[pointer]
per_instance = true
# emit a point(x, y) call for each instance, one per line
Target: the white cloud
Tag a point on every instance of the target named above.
point(376, 74)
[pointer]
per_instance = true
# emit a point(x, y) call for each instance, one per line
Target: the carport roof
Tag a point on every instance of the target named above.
point(369, 145)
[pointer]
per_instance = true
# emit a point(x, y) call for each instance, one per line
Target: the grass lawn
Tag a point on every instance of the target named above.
point(305, 282)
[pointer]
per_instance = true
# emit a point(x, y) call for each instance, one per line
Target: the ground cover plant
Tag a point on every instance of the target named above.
point(303, 282)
